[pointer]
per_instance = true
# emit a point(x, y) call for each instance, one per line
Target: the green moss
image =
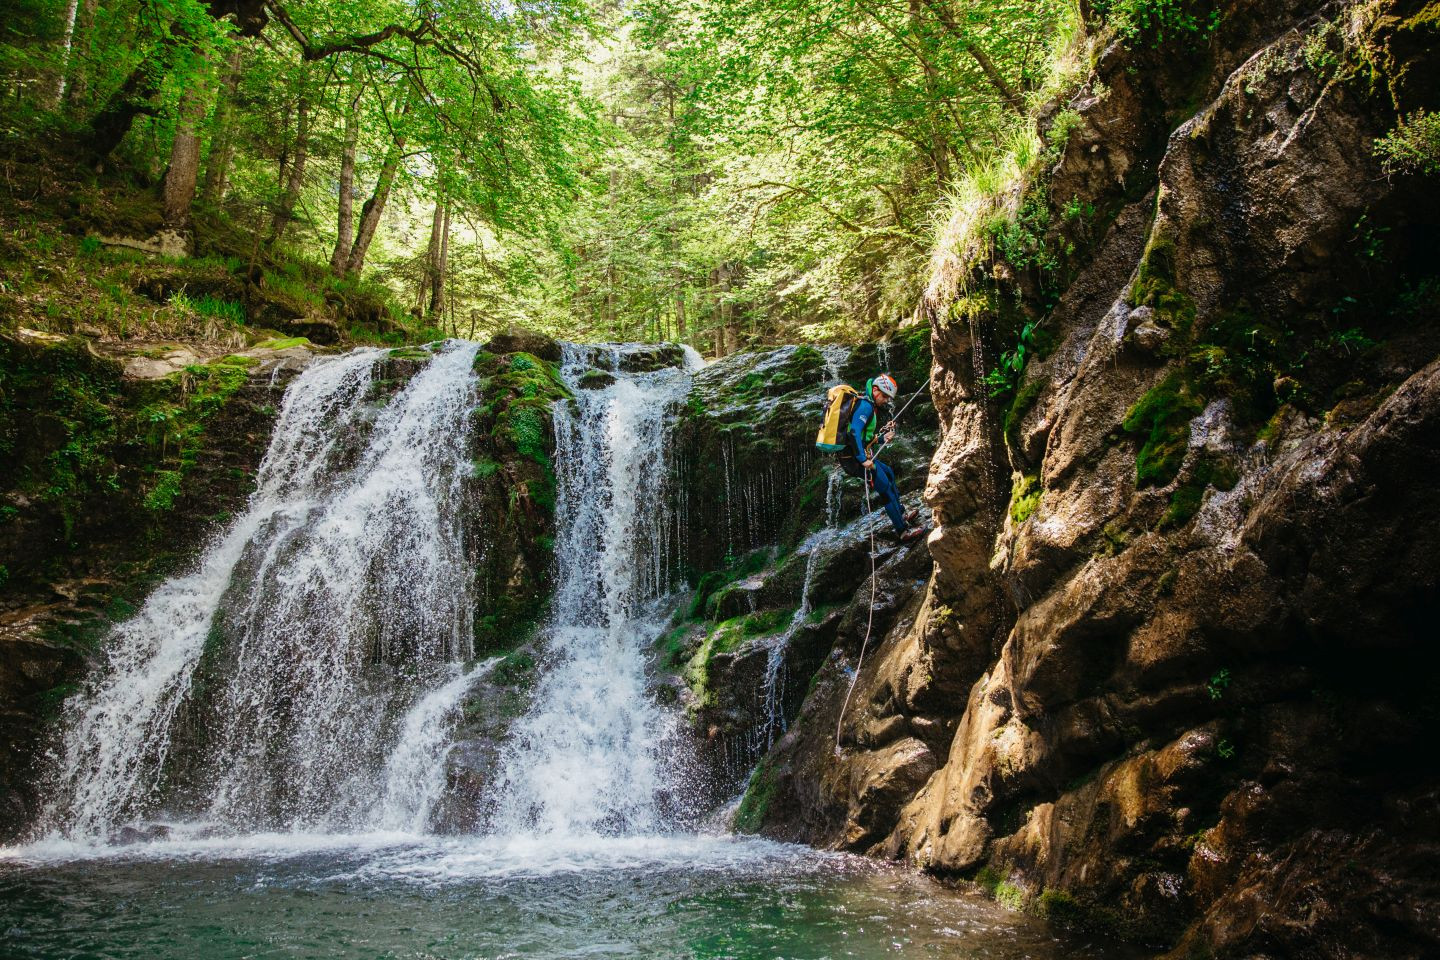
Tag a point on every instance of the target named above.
point(1064, 910)
point(1154, 285)
point(1025, 498)
point(759, 794)
point(1185, 501)
point(86, 634)
point(675, 646)
point(766, 621)
point(1161, 418)
point(52, 701)
point(724, 638)
point(1021, 406)
point(518, 394)
point(713, 581)
point(596, 379)
point(71, 427)
point(516, 670)
point(1057, 905)
point(1009, 895)
point(988, 879)
point(1114, 537)
point(283, 343)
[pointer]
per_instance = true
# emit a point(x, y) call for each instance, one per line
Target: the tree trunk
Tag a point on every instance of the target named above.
point(67, 44)
point(222, 137)
point(133, 98)
point(81, 47)
point(440, 268)
point(285, 209)
point(679, 304)
point(432, 256)
point(180, 178)
point(374, 208)
point(283, 160)
point(345, 227)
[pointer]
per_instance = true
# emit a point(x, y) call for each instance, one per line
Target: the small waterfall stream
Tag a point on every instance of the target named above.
point(589, 756)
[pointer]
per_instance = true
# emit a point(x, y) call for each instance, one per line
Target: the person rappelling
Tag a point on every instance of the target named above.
point(853, 422)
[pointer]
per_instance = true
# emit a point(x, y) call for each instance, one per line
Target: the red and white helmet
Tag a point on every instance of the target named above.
point(886, 385)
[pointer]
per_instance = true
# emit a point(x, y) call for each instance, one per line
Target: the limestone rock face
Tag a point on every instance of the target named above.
point(1168, 674)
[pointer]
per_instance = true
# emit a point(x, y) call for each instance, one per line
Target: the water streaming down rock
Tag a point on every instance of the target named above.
point(414, 774)
point(338, 600)
point(772, 691)
point(589, 757)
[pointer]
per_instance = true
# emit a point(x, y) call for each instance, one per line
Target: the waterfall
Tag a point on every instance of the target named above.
point(588, 758)
point(414, 775)
point(307, 632)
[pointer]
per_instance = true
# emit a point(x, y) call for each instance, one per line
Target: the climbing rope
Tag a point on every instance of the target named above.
point(870, 620)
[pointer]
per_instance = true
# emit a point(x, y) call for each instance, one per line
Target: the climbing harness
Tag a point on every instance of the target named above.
point(899, 413)
point(870, 620)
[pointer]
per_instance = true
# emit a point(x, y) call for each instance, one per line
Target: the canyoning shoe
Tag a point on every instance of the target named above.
point(912, 534)
point(912, 516)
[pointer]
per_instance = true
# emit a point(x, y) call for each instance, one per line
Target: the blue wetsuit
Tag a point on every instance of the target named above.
point(882, 478)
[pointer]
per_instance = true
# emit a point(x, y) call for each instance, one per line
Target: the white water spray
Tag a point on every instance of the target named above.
point(588, 759)
point(306, 631)
point(414, 775)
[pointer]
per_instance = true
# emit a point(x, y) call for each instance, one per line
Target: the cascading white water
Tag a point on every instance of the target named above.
point(340, 622)
point(588, 758)
point(338, 600)
point(414, 775)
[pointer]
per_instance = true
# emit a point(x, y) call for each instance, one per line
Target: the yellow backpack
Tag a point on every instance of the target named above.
point(839, 404)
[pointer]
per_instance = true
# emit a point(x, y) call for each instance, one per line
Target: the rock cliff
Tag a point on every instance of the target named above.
point(1173, 672)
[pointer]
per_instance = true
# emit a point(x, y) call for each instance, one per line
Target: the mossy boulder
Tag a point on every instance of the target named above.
point(596, 380)
point(512, 490)
point(526, 341)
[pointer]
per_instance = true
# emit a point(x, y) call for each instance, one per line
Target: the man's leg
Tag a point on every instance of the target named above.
point(884, 482)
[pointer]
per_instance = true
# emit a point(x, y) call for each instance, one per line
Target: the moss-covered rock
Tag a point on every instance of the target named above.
point(513, 491)
point(525, 341)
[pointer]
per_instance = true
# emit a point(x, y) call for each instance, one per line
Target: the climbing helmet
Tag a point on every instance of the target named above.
point(886, 385)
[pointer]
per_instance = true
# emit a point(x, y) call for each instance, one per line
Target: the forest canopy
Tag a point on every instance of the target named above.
point(722, 172)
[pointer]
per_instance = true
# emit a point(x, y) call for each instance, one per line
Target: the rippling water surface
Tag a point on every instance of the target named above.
point(399, 896)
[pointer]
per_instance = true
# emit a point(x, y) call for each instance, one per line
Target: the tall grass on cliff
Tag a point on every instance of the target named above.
point(989, 190)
